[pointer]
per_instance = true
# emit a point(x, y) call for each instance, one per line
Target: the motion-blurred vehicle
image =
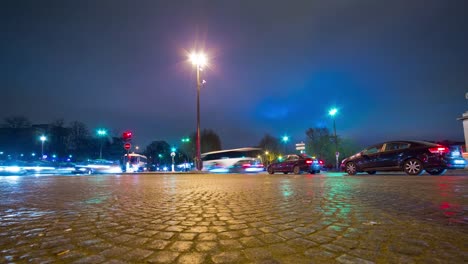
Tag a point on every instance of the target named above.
point(412, 157)
point(12, 168)
point(134, 163)
point(97, 167)
point(241, 160)
point(296, 163)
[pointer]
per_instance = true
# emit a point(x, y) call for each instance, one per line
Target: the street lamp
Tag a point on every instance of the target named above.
point(101, 133)
point(42, 139)
point(285, 140)
point(199, 60)
point(332, 113)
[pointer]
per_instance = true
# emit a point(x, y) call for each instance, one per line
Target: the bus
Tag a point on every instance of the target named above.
point(240, 160)
point(135, 163)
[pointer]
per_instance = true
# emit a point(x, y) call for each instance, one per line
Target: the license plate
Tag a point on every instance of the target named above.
point(459, 162)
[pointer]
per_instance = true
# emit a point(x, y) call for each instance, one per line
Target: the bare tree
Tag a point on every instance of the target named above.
point(16, 122)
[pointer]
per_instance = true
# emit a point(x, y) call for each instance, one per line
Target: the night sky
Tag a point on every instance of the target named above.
point(395, 69)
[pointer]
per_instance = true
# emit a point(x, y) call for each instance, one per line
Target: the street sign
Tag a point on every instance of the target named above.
point(300, 146)
point(337, 154)
point(127, 146)
point(172, 154)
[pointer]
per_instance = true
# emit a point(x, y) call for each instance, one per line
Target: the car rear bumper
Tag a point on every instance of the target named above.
point(446, 163)
point(315, 167)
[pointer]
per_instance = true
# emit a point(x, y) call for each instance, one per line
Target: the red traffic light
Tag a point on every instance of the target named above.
point(127, 136)
point(127, 146)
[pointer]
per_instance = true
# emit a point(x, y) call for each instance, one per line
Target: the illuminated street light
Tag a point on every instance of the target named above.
point(101, 133)
point(199, 60)
point(42, 139)
point(332, 113)
point(285, 140)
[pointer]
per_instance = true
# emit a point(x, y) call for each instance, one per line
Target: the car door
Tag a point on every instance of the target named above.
point(280, 165)
point(369, 157)
point(391, 154)
point(290, 162)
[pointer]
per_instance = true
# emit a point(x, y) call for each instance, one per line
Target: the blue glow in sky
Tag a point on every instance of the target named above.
point(395, 69)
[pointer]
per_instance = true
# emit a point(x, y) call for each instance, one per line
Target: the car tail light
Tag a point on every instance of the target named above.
point(246, 165)
point(439, 149)
point(321, 162)
point(309, 161)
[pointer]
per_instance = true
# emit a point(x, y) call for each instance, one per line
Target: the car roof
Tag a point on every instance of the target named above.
point(420, 142)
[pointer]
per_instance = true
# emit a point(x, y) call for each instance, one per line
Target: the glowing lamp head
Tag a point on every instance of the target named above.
point(285, 139)
point(43, 138)
point(333, 112)
point(198, 59)
point(101, 132)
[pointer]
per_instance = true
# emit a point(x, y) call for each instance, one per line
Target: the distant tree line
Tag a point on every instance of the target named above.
point(19, 136)
point(19, 139)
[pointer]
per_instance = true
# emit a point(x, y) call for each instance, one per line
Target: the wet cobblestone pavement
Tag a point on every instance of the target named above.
point(233, 219)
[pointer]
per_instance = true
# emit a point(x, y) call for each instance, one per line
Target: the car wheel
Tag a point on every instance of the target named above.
point(436, 171)
point(271, 170)
point(413, 167)
point(351, 168)
point(296, 170)
point(371, 172)
point(317, 171)
point(286, 172)
point(312, 172)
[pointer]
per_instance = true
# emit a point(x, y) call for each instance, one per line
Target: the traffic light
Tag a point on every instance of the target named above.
point(127, 135)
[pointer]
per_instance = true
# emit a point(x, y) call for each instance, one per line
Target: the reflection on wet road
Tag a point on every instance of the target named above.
point(169, 218)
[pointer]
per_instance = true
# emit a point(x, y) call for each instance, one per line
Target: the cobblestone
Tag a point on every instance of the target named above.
point(157, 218)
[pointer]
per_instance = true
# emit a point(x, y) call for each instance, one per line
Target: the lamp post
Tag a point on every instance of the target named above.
point(42, 139)
point(285, 140)
point(198, 60)
point(101, 133)
point(332, 113)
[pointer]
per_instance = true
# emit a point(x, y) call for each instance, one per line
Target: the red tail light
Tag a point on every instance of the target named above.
point(439, 149)
point(246, 165)
point(321, 162)
point(309, 161)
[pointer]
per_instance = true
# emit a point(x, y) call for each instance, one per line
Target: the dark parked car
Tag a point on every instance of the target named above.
point(412, 157)
point(296, 164)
